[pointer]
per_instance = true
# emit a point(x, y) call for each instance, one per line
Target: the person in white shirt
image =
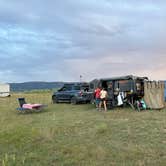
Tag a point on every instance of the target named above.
point(103, 96)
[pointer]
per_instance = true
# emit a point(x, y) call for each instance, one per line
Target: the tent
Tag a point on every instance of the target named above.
point(4, 90)
point(154, 94)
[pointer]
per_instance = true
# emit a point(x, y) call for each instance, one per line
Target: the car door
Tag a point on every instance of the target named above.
point(69, 92)
point(61, 94)
point(66, 93)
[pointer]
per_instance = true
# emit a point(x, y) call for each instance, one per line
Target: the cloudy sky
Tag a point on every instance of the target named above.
point(59, 40)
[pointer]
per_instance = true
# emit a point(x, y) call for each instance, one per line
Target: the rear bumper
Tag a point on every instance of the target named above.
point(81, 99)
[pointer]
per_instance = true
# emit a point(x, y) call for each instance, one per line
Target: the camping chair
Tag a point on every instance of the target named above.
point(21, 101)
point(135, 102)
point(27, 107)
point(131, 100)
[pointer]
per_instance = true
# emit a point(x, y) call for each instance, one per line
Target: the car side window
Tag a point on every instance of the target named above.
point(68, 88)
point(76, 88)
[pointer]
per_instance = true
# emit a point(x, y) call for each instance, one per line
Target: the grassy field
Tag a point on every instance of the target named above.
point(78, 135)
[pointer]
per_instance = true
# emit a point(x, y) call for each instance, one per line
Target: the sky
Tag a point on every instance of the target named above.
point(59, 40)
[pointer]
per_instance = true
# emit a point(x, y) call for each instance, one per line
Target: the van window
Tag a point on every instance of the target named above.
point(91, 86)
point(126, 85)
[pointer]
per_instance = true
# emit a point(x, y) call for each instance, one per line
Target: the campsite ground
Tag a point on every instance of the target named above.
point(66, 134)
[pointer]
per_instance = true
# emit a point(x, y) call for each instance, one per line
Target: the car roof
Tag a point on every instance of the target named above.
point(77, 83)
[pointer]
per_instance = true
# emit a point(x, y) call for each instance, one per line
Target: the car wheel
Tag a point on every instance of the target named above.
point(73, 100)
point(92, 101)
point(54, 100)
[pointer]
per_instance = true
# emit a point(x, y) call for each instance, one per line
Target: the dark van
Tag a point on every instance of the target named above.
point(130, 87)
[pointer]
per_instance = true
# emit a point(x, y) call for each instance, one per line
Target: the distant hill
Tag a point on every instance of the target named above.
point(27, 86)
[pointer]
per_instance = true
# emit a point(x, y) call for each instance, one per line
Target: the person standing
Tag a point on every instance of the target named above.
point(97, 97)
point(103, 97)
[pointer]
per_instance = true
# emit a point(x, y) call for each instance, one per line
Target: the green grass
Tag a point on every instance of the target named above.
point(78, 135)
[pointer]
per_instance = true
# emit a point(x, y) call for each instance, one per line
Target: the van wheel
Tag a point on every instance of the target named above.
point(73, 100)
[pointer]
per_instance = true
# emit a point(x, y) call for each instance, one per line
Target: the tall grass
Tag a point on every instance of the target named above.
point(78, 135)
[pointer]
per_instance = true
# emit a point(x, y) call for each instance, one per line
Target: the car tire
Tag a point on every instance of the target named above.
point(92, 101)
point(55, 100)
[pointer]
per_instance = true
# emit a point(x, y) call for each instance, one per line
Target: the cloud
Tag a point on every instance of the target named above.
point(59, 40)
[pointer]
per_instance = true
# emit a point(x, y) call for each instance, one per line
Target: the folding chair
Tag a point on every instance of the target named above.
point(27, 107)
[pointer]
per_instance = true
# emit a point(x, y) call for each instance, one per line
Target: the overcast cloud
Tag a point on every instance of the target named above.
point(54, 40)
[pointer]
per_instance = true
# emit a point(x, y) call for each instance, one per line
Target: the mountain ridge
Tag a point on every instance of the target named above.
point(42, 85)
point(34, 85)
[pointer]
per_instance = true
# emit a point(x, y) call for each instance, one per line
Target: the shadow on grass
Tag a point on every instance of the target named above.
point(30, 112)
